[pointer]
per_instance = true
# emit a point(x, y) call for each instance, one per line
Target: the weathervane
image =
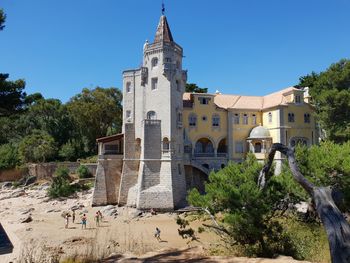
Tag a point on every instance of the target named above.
point(163, 8)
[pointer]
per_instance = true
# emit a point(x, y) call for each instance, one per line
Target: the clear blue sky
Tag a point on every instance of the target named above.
point(250, 47)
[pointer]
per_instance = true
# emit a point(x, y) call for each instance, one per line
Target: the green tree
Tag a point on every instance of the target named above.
point(95, 112)
point(193, 88)
point(247, 213)
point(330, 91)
point(37, 147)
point(2, 19)
point(11, 95)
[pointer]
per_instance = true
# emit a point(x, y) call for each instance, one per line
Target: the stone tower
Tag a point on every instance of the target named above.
point(153, 172)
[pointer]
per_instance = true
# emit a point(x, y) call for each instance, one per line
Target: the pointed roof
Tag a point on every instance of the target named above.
point(163, 33)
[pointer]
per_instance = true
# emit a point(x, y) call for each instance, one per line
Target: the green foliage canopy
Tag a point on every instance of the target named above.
point(2, 19)
point(95, 112)
point(11, 95)
point(37, 147)
point(193, 88)
point(246, 211)
point(330, 91)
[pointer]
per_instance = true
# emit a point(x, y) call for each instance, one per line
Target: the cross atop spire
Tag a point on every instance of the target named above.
point(163, 33)
point(163, 8)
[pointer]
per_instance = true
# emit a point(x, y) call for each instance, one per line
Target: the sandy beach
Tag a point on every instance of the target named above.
point(123, 231)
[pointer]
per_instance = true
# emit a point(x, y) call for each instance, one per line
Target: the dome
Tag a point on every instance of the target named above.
point(259, 132)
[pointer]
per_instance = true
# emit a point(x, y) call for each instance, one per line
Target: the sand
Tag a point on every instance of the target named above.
point(126, 234)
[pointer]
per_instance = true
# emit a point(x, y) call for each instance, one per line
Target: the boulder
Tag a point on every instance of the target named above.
point(26, 211)
point(30, 180)
point(6, 185)
point(27, 219)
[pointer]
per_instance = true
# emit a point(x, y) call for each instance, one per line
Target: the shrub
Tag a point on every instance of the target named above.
point(68, 152)
point(83, 172)
point(60, 184)
point(8, 156)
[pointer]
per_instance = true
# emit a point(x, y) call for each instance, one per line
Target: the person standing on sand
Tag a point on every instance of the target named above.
point(83, 221)
point(100, 214)
point(97, 219)
point(157, 234)
point(73, 216)
point(66, 218)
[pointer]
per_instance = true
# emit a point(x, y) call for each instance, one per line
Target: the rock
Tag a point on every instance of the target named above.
point(29, 229)
point(18, 193)
point(50, 210)
point(27, 219)
point(26, 211)
point(6, 185)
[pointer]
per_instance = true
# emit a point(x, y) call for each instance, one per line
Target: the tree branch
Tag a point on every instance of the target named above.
point(337, 228)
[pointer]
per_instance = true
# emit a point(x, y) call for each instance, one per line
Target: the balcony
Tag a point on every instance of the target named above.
point(151, 122)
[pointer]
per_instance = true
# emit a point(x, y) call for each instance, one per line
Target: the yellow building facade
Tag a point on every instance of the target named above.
point(219, 128)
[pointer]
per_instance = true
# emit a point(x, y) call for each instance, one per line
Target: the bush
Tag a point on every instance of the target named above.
point(37, 147)
point(68, 152)
point(61, 185)
point(8, 156)
point(83, 172)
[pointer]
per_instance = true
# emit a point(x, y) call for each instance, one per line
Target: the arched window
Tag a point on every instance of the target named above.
point(128, 87)
point(253, 119)
point(245, 118)
point(257, 147)
point(166, 145)
point(270, 117)
point(151, 115)
point(192, 120)
point(216, 120)
point(154, 62)
point(236, 118)
point(204, 147)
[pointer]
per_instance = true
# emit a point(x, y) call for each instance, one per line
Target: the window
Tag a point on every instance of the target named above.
point(236, 118)
point(128, 87)
point(179, 119)
point(204, 118)
point(216, 121)
point(257, 147)
point(154, 62)
point(307, 118)
point(178, 86)
point(239, 147)
point(151, 115)
point(128, 114)
point(154, 83)
point(297, 99)
point(166, 145)
point(203, 100)
point(270, 117)
point(179, 168)
point(192, 120)
point(167, 60)
point(253, 119)
point(245, 119)
point(188, 149)
point(290, 117)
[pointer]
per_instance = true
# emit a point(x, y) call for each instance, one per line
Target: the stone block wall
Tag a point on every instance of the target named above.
point(107, 181)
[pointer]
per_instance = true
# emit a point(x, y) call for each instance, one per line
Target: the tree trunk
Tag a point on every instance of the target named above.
point(337, 228)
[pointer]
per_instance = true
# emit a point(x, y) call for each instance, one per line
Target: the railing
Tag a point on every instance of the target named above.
point(204, 154)
point(221, 155)
point(112, 152)
point(152, 122)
